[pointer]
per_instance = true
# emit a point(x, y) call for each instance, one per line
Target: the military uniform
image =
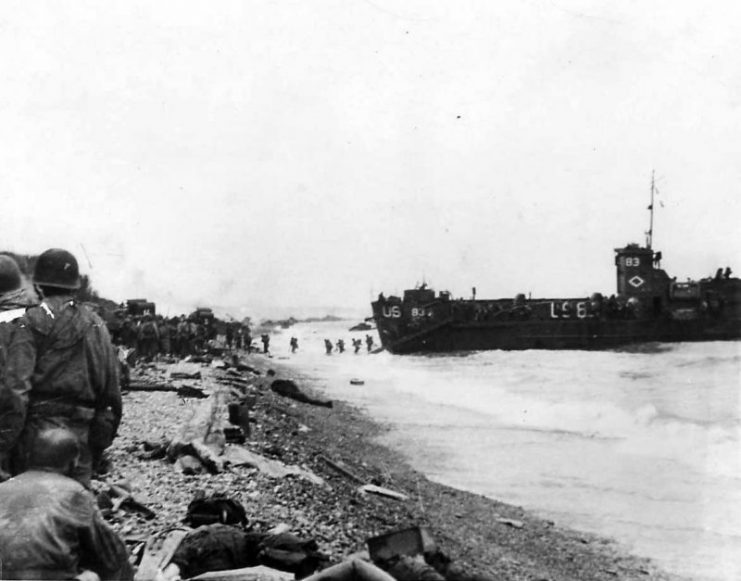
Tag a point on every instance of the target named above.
point(62, 371)
point(13, 304)
point(50, 528)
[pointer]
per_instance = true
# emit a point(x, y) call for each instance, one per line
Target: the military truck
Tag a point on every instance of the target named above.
point(139, 307)
point(203, 315)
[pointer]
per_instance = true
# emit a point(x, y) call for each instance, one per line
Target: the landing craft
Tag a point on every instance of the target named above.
point(648, 306)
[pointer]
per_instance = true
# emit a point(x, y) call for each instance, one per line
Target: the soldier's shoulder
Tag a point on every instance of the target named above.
point(89, 314)
point(37, 318)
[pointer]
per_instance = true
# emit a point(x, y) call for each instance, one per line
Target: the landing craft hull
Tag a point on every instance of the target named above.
point(519, 335)
point(663, 311)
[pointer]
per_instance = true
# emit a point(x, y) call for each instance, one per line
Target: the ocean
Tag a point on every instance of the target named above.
point(640, 445)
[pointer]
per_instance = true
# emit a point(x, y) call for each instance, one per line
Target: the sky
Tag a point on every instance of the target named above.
point(270, 158)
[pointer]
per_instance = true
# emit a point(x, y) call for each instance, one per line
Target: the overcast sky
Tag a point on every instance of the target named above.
point(261, 156)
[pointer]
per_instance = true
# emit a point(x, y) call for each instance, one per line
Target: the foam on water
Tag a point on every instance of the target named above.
point(639, 446)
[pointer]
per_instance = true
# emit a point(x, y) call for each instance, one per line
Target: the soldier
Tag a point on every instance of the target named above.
point(265, 338)
point(294, 344)
point(62, 371)
point(183, 335)
point(163, 327)
point(13, 304)
point(369, 342)
point(229, 335)
point(340, 345)
point(201, 337)
point(50, 526)
point(149, 338)
point(248, 339)
point(328, 346)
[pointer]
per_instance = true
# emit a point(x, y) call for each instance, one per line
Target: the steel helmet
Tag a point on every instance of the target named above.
point(10, 274)
point(58, 268)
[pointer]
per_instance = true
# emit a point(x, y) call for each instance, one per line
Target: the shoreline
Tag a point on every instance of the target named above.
point(480, 534)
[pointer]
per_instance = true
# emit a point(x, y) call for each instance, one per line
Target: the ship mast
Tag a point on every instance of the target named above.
point(650, 233)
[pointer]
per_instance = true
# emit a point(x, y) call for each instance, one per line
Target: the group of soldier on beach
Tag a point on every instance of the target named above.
point(151, 335)
point(60, 407)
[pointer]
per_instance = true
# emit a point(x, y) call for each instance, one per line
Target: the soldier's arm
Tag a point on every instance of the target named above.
point(15, 386)
point(106, 372)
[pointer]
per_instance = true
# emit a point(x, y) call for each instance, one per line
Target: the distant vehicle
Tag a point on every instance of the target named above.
point(203, 315)
point(139, 307)
point(649, 306)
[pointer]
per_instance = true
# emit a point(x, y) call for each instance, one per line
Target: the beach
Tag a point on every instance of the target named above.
point(341, 446)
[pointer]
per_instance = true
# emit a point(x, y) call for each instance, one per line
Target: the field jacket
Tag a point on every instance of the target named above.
point(50, 528)
point(61, 368)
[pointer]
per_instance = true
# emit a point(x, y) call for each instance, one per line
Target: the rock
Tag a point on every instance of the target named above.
point(189, 464)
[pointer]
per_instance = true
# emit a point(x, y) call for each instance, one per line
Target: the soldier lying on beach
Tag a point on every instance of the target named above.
point(288, 388)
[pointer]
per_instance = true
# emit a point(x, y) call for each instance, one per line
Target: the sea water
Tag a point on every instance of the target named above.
point(640, 445)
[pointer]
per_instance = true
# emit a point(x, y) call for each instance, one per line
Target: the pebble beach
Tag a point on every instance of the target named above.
point(339, 447)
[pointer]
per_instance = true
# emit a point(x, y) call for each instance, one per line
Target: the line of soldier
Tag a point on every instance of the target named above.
point(340, 346)
point(152, 335)
point(60, 408)
point(237, 336)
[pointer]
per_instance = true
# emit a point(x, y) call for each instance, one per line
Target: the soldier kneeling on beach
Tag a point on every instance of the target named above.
point(50, 526)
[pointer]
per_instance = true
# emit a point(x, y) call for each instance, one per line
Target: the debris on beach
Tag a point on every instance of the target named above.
point(221, 426)
point(381, 491)
point(288, 388)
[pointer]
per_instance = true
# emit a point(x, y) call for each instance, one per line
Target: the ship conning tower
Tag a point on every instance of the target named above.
point(638, 276)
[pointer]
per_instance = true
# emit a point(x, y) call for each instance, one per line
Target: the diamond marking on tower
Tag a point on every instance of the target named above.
point(636, 281)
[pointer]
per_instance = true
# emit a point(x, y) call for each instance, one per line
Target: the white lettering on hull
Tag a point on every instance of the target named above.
point(566, 310)
point(393, 312)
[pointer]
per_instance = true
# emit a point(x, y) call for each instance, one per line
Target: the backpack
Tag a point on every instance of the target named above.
point(216, 508)
point(149, 330)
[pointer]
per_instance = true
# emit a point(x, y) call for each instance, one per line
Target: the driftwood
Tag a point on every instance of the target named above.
point(379, 490)
point(239, 456)
point(202, 435)
point(192, 391)
point(344, 471)
point(231, 381)
point(185, 375)
point(143, 386)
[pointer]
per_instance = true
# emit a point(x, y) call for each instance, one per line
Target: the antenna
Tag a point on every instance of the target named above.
point(90, 264)
point(650, 233)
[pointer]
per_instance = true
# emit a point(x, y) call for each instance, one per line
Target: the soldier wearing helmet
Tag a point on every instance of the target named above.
point(13, 303)
point(62, 370)
point(13, 297)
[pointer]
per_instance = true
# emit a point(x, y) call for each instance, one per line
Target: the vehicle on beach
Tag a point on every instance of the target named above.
point(648, 306)
point(140, 307)
point(203, 315)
